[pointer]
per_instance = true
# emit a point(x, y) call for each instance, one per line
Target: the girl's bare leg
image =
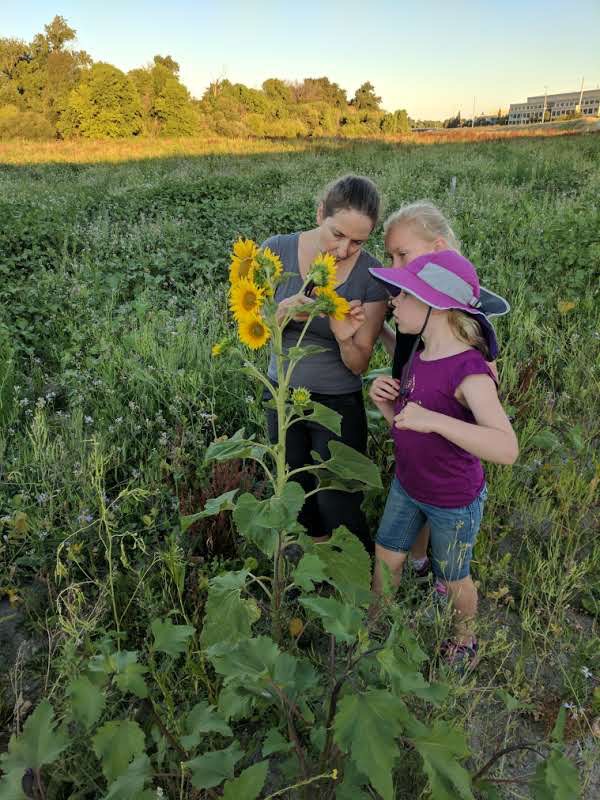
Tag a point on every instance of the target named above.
point(463, 596)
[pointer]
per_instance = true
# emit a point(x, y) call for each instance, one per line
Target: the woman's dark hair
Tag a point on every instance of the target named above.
point(353, 192)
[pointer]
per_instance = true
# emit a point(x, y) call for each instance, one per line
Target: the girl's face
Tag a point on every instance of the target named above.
point(404, 243)
point(344, 233)
point(409, 313)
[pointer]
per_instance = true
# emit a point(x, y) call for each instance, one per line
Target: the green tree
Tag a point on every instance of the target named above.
point(167, 62)
point(105, 104)
point(58, 33)
point(365, 98)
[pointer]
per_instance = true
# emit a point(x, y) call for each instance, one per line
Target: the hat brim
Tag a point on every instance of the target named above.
point(398, 280)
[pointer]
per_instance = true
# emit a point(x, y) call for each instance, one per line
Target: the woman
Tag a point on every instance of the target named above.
point(346, 216)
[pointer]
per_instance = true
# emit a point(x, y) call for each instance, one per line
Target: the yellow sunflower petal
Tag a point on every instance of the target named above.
point(245, 298)
point(242, 260)
point(334, 304)
point(253, 332)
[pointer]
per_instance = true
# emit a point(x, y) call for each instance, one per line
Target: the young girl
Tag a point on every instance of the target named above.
point(411, 231)
point(445, 417)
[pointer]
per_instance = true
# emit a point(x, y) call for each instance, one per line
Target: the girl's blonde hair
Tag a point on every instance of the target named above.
point(466, 328)
point(428, 221)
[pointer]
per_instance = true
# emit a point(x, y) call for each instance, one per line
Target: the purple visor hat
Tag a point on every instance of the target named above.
point(446, 280)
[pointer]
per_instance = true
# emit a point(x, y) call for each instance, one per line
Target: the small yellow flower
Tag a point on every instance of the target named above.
point(242, 260)
point(245, 299)
point(217, 349)
point(300, 396)
point(323, 271)
point(334, 774)
point(253, 332)
point(332, 303)
point(296, 626)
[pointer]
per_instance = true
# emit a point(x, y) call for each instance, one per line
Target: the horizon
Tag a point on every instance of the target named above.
point(438, 89)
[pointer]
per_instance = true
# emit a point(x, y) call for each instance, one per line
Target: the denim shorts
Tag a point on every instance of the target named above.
point(453, 530)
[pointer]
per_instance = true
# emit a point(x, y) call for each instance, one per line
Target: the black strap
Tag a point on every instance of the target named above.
point(404, 390)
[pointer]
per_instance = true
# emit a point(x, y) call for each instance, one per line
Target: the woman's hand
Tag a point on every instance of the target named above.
point(295, 301)
point(414, 417)
point(344, 329)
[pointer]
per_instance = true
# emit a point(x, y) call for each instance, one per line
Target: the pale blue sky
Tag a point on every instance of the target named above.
point(431, 57)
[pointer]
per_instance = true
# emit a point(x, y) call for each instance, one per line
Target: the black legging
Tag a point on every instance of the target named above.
point(324, 511)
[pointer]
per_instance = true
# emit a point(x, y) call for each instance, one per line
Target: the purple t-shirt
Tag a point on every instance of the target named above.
point(430, 468)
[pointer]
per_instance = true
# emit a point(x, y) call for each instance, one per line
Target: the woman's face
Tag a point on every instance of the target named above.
point(344, 233)
point(404, 243)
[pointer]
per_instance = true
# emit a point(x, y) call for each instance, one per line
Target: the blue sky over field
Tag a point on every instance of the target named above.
point(430, 57)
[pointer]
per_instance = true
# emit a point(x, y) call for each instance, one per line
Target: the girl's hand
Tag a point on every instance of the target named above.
point(295, 301)
point(414, 417)
point(344, 329)
point(384, 390)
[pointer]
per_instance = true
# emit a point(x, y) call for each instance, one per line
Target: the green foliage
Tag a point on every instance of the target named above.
point(171, 639)
point(40, 743)
point(225, 602)
point(248, 785)
point(211, 769)
point(117, 743)
point(87, 701)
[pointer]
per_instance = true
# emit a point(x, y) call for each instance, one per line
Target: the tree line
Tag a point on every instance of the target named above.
point(48, 89)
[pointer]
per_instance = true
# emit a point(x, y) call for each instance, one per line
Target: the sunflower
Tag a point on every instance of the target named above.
point(245, 298)
point(332, 303)
point(300, 396)
point(267, 269)
point(322, 271)
point(253, 332)
point(242, 260)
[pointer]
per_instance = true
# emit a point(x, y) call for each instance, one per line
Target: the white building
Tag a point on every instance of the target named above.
point(556, 106)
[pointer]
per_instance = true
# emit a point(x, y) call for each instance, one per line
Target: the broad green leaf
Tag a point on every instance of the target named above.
point(259, 521)
point(11, 784)
point(235, 447)
point(546, 440)
point(345, 462)
point(556, 778)
point(87, 701)
point(366, 726)
point(203, 718)
point(310, 570)
point(234, 703)
point(250, 659)
point(297, 353)
point(131, 680)
point(325, 416)
point(211, 769)
point(130, 785)
point(440, 748)
point(169, 638)
point(352, 784)
point(248, 785)
point(275, 743)
point(41, 742)
point(224, 502)
point(405, 679)
point(116, 744)
point(339, 619)
point(347, 564)
point(558, 731)
point(225, 603)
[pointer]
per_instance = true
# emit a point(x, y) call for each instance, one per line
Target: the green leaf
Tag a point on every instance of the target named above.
point(41, 742)
point(511, 703)
point(234, 703)
point(203, 718)
point(345, 462)
point(260, 520)
point(487, 790)
point(87, 701)
point(310, 570)
point(325, 416)
point(347, 565)
point(440, 748)
point(558, 731)
point(248, 785)
point(211, 769)
point(546, 440)
point(555, 778)
point(130, 785)
point(339, 619)
point(116, 744)
point(405, 679)
point(224, 502)
point(352, 784)
point(366, 726)
point(169, 638)
point(298, 353)
point(235, 447)
point(225, 603)
point(275, 743)
point(131, 680)
point(11, 785)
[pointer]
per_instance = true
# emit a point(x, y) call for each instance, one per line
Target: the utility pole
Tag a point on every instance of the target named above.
point(473, 120)
point(545, 102)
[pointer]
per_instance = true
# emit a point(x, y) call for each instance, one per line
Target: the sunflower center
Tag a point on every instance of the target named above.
point(249, 301)
point(245, 265)
point(256, 329)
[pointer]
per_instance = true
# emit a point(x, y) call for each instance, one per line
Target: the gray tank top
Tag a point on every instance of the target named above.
point(324, 373)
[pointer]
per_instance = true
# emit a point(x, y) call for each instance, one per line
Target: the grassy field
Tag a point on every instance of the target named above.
point(113, 292)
